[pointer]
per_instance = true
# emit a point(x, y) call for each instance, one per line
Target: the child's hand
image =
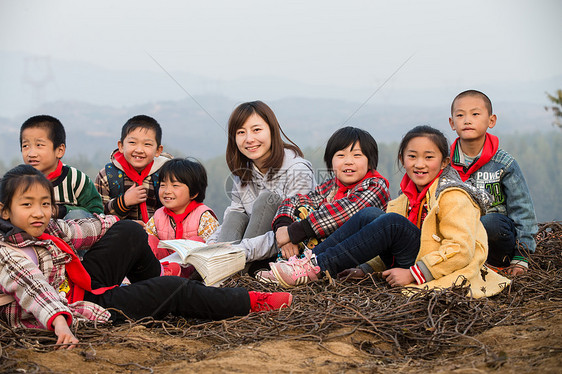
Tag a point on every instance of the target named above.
point(353, 273)
point(63, 333)
point(516, 270)
point(282, 236)
point(397, 277)
point(289, 250)
point(135, 195)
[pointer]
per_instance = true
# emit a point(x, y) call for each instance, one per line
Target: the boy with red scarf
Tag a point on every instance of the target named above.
point(43, 144)
point(128, 184)
point(510, 222)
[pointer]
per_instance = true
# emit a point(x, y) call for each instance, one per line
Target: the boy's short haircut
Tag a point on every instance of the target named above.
point(144, 122)
point(188, 171)
point(475, 93)
point(347, 136)
point(54, 128)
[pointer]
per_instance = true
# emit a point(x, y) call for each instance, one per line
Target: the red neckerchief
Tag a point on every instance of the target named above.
point(56, 173)
point(415, 198)
point(178, 218)
point(136, 177)
point(79, 279)
point(491, 145)
point(343, 190)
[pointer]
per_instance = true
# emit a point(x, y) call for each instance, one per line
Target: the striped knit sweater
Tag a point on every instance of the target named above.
point(75, 190)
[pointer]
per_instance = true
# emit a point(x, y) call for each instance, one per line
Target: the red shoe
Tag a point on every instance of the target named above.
point(170, 268)
point(263, 301)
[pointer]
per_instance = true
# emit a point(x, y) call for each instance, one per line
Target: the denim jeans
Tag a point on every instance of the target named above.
point(77, 214)
point(501, 238)
point(368, 234)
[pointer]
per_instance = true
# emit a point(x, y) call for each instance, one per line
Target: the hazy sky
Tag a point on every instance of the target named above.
point(345, 43)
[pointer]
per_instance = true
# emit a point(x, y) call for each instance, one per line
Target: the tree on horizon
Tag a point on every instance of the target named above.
point(556, 108)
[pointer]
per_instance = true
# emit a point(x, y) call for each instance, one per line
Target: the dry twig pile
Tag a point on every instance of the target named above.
point(380, 321)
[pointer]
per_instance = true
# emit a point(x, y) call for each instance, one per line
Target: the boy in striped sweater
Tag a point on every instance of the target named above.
point(43, 144)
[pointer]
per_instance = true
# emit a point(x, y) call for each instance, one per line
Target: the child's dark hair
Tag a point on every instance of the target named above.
point(54, 128)
point(435, 135)
point(23, 177)
point(144, 122)
point(187, 171)
point(347, 136)
point(474, 93)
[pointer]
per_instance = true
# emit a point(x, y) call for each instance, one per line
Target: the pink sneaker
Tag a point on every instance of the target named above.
point(264, 301)
point(170, 268)
point(296, 271)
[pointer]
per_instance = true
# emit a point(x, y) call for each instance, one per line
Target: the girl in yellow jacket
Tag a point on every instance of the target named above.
point(431, 235)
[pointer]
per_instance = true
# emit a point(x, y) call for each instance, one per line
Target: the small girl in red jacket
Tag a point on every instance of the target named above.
point(184, 216)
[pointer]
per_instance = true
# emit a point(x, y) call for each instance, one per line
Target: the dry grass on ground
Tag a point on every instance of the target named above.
point(333, 327)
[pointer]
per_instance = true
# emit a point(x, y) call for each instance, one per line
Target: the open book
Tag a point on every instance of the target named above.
point(214, 262)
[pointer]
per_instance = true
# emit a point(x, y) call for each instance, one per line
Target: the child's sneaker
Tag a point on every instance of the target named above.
point(267, 277)
point(170, 268)
point(296, 271)
point(497, 269)
point(264, 301)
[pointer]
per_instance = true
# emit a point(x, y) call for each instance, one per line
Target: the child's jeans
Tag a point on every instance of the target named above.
point(366, 235)
point(124, 252)
point(501, 238)
point(78, 214)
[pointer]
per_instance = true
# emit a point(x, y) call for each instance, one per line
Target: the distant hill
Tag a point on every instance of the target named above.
point(198, 128)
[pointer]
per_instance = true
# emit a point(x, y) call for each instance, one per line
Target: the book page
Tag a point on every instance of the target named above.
point(183, 247)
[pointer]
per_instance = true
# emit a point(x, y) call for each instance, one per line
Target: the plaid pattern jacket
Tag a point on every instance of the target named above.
point(330, 214)
point(37, 290)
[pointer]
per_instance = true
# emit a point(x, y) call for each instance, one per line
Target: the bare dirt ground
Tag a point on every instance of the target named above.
point(333, 327)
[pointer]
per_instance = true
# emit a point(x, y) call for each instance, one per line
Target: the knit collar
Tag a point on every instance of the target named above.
point(55, 173)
